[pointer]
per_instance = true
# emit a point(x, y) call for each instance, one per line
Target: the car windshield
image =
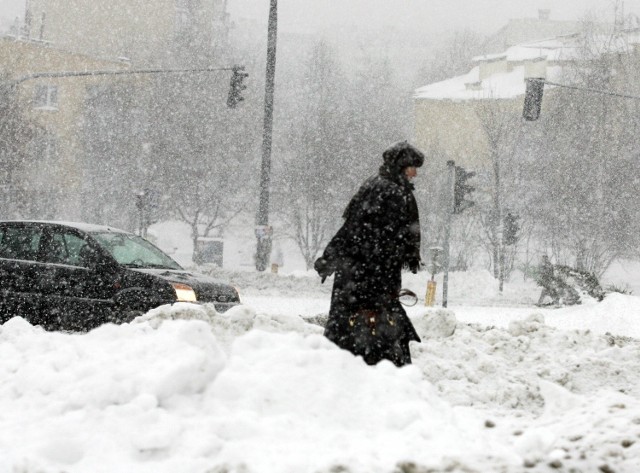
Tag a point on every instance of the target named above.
point(134, 251)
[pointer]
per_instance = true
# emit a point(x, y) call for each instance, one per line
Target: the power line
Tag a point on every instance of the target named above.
point(586, 89)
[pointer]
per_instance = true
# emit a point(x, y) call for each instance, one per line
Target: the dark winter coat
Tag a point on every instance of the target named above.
point(380, 235)
point(545, 273)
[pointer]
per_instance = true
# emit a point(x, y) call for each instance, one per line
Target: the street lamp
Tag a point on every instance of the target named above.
point(263, 230)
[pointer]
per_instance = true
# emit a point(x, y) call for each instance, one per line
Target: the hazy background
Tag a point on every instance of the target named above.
point(405, 32)
point(433, 16)
point(346, 75)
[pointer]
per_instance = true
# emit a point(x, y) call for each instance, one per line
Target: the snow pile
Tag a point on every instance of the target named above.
point(139, 398)
point(613, 314)
point(103, 401)
point(184, 388)
point(233, 323)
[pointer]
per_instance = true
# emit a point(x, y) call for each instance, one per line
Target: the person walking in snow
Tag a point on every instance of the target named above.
point(547, 280)
point(380, 235)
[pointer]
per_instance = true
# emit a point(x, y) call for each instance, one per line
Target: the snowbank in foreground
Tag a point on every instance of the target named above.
point(186, 389)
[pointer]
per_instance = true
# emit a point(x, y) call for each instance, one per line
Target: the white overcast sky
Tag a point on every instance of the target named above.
point(435, 16)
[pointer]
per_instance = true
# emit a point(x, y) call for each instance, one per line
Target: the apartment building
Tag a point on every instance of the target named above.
point(49, 182)
point(446, 112)
point(145, 32)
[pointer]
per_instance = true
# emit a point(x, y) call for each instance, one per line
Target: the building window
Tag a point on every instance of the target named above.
point(46, 97)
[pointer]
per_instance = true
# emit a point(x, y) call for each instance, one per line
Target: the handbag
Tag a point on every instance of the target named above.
point(376, 335)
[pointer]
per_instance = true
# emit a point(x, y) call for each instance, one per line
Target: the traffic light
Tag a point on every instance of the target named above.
point(533, 98)
point(510, 229)
point(236, 86)
point(461, 189)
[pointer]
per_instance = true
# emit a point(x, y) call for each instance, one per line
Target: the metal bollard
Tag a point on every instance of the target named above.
point(430, 298)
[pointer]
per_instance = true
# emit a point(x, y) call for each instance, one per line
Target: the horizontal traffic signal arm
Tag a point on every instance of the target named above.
point(535, 89)
point(39, 75)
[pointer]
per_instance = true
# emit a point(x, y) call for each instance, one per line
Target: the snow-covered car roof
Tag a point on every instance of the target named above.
point(83, 226)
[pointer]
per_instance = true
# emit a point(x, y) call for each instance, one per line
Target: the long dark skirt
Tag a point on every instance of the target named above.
point(375, 327)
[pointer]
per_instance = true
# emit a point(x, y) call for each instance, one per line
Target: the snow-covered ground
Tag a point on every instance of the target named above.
point(497, 385)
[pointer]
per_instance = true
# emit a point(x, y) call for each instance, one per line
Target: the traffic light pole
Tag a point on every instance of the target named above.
point(451, 169)
point(263, 232)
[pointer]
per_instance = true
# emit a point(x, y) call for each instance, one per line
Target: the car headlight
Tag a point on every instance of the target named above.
point(184, 293)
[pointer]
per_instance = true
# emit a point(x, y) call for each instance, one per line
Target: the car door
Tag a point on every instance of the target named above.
point(76, 291)
point(19, 251)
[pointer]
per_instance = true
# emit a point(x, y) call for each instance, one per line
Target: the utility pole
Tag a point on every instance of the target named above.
point(263, 231)
point(451, 170)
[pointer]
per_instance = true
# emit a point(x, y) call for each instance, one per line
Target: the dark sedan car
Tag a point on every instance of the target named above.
point(77, 276)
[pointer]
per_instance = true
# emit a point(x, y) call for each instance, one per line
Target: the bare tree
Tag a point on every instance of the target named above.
point(332, 137)
point(454, 57)
point(119, 162)
point(314, 175)
point(500, 123)
point(201, 153)
point(585, 178)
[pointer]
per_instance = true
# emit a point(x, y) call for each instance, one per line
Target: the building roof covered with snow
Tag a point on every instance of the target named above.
point(446, 119)
point(523, 30)
point(502, 75)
